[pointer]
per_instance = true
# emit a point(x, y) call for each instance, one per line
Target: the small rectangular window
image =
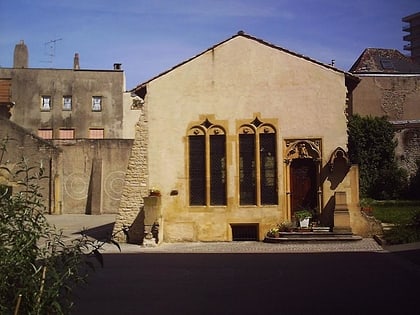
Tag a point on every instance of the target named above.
point(46, 103)
point(96, 133)
point(45, 133)
point(96, 103)
point(66, 134)
point(67, 100)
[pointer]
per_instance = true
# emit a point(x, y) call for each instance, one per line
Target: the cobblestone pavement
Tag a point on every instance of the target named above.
point(72, 224)
point(364, 245)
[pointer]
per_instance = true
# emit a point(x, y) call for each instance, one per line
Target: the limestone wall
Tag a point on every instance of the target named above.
point(234, 83)
point(136, 183)
point(408, 149)
point(394, 96)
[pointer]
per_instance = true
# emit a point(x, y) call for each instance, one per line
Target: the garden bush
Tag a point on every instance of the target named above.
point(38, 268)
point(372, 146)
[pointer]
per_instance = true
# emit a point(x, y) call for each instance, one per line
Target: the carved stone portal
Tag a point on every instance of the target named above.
point(303, 149)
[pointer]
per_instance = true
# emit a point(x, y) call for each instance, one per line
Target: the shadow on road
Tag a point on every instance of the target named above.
point(298, 283)
point(100, 233)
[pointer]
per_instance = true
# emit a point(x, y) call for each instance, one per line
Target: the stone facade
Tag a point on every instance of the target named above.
point(395, 96)
point(91, 177)
point(408, 149)
point(87, 115)
point(136, 185)
point(240, 87)
point(390, 86)
point(21, 144)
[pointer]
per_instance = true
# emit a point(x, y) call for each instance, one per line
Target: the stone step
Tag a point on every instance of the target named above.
point(312, 237)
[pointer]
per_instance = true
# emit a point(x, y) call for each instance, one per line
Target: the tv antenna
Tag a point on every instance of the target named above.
point(49, 48)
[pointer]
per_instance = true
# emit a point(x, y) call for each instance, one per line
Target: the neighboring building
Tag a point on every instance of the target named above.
point(17, 143)
point(67, 103)
point(413, 36)
point(239, 138)
point(85, 113)
point(390, 86)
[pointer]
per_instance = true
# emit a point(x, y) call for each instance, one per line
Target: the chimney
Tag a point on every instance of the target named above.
point(76, 64)
point(21, 56)
point(117, 66)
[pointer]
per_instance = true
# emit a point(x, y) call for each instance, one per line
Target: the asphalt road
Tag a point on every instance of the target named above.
point(262, 283)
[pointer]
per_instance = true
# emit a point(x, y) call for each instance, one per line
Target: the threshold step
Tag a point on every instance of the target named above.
point(335, 238)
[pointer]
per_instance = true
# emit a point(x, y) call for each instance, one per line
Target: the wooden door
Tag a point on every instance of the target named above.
point(302, 184)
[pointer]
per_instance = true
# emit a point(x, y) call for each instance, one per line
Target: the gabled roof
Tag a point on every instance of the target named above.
point(380, 60)
point(242, 34)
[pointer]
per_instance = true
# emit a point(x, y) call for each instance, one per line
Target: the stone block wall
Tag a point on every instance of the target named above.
point(408, 149)
point(136, 181)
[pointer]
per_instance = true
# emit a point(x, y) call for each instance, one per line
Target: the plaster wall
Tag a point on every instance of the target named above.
point(22, 145)
point(394, 96)
point(29, 85)
point(397, 97)
point(92, 178)
point(233, 83)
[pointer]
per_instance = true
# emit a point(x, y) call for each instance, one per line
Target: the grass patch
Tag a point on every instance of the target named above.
point(395, 214)
point(405, 215)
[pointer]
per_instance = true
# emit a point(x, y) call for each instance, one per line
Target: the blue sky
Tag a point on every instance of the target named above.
point(151, 36)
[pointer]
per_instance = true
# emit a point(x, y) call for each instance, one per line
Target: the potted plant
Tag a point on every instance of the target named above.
point(154, 192)
point(273, 232)
point(285, 226)
point(303, 216)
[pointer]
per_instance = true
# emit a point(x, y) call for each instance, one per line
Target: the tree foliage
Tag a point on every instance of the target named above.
point(38, 268)
point(372, 146)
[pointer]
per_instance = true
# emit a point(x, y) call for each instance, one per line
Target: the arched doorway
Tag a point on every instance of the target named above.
point(303, 185)
point(302, 169)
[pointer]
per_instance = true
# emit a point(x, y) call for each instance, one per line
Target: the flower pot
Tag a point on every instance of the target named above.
point(304, 223)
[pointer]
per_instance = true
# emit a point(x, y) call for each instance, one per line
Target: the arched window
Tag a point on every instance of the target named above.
point(207, 164)
point(257, 164)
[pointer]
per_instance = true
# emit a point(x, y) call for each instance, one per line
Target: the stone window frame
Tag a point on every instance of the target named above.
point(207, 130)
point(46, 103)
point(67, 103)
point(259, 197)
point(97, 103)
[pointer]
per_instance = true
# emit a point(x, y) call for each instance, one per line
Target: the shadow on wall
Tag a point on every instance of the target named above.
point(135, 233)
point(88, 209)
point(327, 216)
point(334, 172)
point(337, 171)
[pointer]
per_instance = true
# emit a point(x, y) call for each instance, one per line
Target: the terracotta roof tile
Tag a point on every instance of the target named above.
point(381, 60)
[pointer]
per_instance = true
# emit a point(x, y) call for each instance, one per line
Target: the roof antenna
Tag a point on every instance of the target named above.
point(49, 48)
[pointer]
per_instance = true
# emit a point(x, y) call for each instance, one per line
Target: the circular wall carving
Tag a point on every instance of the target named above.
point(114, 183)
point(76, 185)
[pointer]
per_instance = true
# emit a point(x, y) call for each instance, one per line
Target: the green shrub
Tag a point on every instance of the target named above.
point(38, 269)
point(402, 234)
point(372, 146)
